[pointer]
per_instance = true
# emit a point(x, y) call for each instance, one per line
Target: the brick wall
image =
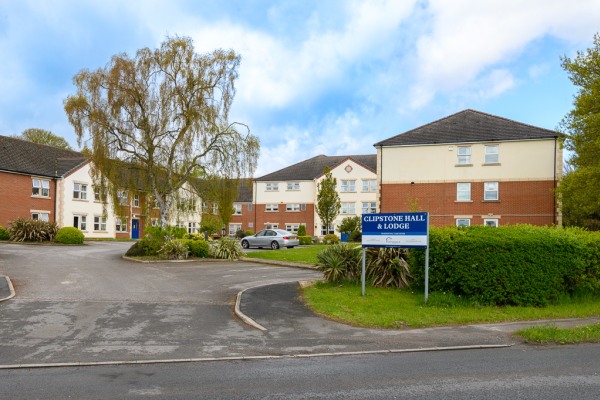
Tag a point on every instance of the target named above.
point(246, 218)
point(283, 217)
point(16, 200)
point(530, 202)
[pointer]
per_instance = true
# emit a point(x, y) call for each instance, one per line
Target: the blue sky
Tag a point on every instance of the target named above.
point(317, 77)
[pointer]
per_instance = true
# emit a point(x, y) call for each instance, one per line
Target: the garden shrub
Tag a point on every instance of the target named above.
point(305, 240)
point(302, 231)
point(249, 232)
point(32, 230)
point(240, 234)
point(340, 262)
point(174, 249)
point(511, 265)
point(4, 235)
point(331, 239)
point(355, 236)
point(388, 267)
point(69, 235)
point(229, 249)
point(150, 245)
point(197, 248)
point(135, 250)
point(588, 278)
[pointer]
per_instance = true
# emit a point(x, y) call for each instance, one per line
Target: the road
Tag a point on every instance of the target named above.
point(569, 372)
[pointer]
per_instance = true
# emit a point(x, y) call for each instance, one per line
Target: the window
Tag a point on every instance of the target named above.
point(369, 185)
point(215, 208)
point(369, 208)
point(463, 191)
point(249, 206)
point(325, 231)
point(292, 207)
point(292, 227)
point(136, 200)
point(237, 209)
point(40, 187)
point(155, 203)
point(99, 223)
point(154, 222)
point(121, 224)
point(80, 222)
point(192, 227)
point(491, 154)
point(99, 194)
point(180, 224)
point(233, 228)
point(493, 222)
point(348, 186)
point(205, 207)
point(42, 216)
point(293, 186)
point(271, 207)
point(80, 191)
point(123, 197)
point(463, 221)
point(271, 226)
point(464, 155)
point(490, 191)
point(348, 208)
point(272, 187)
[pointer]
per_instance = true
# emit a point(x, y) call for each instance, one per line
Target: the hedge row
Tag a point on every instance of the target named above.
point(511, 265)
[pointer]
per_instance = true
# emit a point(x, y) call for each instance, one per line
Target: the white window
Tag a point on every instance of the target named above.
point(325, 231)
point(292, 227)
point(80, 191)
point(348, 208)
point(464, 155)
point(154, 222)
point(121, 224)
point(293, 186)
point(123, 197)
point(463, 191)
point(463, 221)
point(233, 228)
point(493, 222)
point(348, 186)
point(491, 154)
point(215, 208)
point(192, 227)
point(136, 200)
point(42, 216)
point(490, 191)
point(237, 209)
point(204, 207)
point(369, 185)
point(40, 187)
point(99, 194)
point(155, 203)
point(292, 207)
point(272, 187)
point(80, 222)
point(271, 207)
point(99, 223)
point(180, 224)
point(369, 208)
point(271, 226)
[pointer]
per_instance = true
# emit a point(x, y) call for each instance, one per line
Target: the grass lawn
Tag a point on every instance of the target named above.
point(305, 255)
point(552, 334)
point(396, 309)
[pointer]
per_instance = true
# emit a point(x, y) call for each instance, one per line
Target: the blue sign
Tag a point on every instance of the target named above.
point(395, 230)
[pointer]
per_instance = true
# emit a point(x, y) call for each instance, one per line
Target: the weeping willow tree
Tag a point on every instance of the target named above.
point(153, 122)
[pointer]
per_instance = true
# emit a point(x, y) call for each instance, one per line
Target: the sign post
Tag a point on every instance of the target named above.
point(402, 230)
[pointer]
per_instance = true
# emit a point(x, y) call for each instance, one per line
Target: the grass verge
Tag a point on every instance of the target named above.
point(396, 309)
point(554, 335)
point(305, 255)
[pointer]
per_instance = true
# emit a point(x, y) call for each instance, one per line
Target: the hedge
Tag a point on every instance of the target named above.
point(511, 265)
point(305, 240)
point(69, 235)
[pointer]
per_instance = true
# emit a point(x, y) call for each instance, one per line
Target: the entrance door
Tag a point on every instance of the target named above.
point(135, 228)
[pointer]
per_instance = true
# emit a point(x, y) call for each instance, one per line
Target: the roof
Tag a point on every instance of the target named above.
point(244, 191)
point(313, 167)
point(22, 156)
point(466, 127)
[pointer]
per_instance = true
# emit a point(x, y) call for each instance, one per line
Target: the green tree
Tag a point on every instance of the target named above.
point(220, 191)
point(350, 224)
point(328, 200)
point(43, 136)
point(210, 224)
point(580, 188)
point(157, 120)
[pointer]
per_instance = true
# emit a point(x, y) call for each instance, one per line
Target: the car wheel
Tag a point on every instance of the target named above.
point(274, 245)
point(245, 244)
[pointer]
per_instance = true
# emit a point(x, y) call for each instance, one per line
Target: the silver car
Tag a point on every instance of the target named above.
point(273, 238)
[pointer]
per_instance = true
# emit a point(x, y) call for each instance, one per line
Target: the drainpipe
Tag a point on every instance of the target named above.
point(255, 202)
point(380, 178)
point(555, 185)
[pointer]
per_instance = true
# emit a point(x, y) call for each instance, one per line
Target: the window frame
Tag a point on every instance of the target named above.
point(41, 189)
point(463, 159)
point(463, 191)
point(293, 186)
point(136, 200)
point(292, 207)
point(371, 208)
point(487, 154)
point(496, 222)
point(463, 219)
point(123, 197)
point(348, 186)
point(234, 225)
point(348, 208)
point(486, 191)
point(79, 191)
point(99, 223)
point(272, 187)
point(370, 184)
point(82, 222)
point(121, 224)
point(237, 209)
point(40, 215)
point(272, 207)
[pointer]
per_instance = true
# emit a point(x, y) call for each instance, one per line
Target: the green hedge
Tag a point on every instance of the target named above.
point(512, 265)
point(305, 240)
point(69, 235)
point(197, 248)
point(4, 235)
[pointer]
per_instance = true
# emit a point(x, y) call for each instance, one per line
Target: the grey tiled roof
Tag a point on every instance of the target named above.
point(17, 155)
point(468, 126)
point(313, 167)
point(244, 191)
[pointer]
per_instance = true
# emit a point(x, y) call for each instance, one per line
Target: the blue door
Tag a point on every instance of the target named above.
point(135, 228)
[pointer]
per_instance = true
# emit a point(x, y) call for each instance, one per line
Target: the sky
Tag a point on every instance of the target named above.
point(317, 76)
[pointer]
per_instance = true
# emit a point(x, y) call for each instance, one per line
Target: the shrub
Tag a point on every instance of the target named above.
point(174, 249)
point(195, 236)
point(331, 239)
point(228, 249)
point(240, 234)
point(197, 248)
point(302, 231)
point(340, 262)
point(32, 230)
point(69, 235)
point(150, 245)
point(4, 235)
point(355, 236)
point(249, 232)
point(135, 250)
point(388, 267)
point(305, 240)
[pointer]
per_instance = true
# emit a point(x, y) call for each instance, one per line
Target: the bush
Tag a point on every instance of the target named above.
point(150, 245)
point(302, 231)
point(355, 236)
point(4, 235)
point(331, 239)
point(511, 265)
point(135, 250)
point(249, 232)
point(228, 249)
point(305, 240)
point(174, 249)
point(69, 235)
point(240, 234)
point(340, 262)
point(32, 230)
point(388, 267)
point(197, 248)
